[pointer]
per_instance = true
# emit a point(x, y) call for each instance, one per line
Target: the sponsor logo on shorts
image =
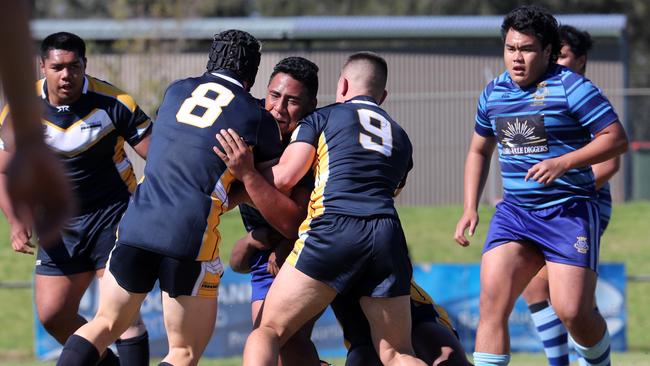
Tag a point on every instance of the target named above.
point(210, 285)
point(581, 245)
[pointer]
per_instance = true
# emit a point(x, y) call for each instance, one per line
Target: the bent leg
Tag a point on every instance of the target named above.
point(299, 350)
point(57, 301)
point(294, 299)
point(572, 291)
point(189, 321)
point(436, 344)
point(390, 327)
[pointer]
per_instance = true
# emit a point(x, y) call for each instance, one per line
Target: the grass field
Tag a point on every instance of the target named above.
point(429, 231)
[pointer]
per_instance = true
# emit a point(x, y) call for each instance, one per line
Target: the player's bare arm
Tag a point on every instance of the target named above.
point(607, 144)
point(477, 167)
point(142, 147)
point(278, 209)
point(604, 171)
point(246, 246)
point(20, 233)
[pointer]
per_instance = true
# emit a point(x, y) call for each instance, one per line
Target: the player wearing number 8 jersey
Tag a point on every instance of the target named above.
point(169, 232)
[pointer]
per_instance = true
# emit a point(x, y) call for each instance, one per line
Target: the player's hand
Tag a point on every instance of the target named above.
point(468, 220)
point(547, 171)
point(273, 267)
point(20, 238)
point(39, 191)
point(263, 238)
point(236, 155)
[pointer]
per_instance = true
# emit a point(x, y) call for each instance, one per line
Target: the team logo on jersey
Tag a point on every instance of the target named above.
point(63, 108)
point(522, 135)
point(541, 93)
point(581, 245)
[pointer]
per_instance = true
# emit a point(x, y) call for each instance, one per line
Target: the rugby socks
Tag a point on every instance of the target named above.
point(596, 355)
point(489, 359)
point(552, 333)
point(109, 359)
point(134, 351)
point(78, 351)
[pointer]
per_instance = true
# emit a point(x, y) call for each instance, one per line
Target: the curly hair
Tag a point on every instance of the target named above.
point(534, 21)
point(237, 51)
point(300, 69)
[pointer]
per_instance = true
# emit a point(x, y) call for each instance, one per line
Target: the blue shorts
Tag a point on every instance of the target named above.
point(261, 279)
point(86, 240)
point(567, 233)
point(604, 201)
point(136, 270)
point(364, 256)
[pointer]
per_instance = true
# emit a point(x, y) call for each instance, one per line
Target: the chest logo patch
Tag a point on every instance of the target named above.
point(522, 135)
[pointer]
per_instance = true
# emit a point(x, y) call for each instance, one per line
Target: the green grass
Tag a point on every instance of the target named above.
point(429, 231)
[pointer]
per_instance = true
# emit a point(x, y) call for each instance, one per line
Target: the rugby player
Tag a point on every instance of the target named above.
point(541, 116)
point(86, 122)
point(291, 95)
point(352, 240)
point(34, 177)
point(170, 231)
point(573, 54)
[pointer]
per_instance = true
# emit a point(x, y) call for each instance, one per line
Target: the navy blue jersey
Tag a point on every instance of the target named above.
point(362, 158)
point(554, 117)
point(175, 209)
point(88, 137)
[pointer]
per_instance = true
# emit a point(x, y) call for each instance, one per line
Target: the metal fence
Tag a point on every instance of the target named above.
point(432, 96)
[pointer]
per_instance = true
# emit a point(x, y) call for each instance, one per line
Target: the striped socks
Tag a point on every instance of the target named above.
point(596, 355)
point(552, 333)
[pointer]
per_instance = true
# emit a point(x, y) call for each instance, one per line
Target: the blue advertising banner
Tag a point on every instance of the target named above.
point(454, 286)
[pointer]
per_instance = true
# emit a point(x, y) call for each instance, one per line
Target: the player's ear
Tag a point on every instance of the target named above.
point(383, 96)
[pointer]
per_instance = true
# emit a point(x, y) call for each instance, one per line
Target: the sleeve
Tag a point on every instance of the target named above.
point(482, 124)
point(131, 122)
point(252, 218)
point(309, 129)
point(269, 139)
point(588, 105)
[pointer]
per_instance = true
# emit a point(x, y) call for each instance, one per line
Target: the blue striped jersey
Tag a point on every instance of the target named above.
point(88, 137)
point(176, 208)
point(551, 118)
point(362, 159)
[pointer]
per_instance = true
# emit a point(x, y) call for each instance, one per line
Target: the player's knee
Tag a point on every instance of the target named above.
point(573, 314)
point(182, 355)
point(54, 320)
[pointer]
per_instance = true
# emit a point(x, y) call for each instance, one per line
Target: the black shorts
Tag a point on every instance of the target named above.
point(363, 256)
point(136, 270)
point(86, 240)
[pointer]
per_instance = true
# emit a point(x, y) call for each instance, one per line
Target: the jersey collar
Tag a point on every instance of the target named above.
point(363, 99)
point(228, 78)
point(84, 89)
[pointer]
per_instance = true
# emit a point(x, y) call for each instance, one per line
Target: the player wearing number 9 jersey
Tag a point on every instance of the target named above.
point(352, 241)
point(169, 231)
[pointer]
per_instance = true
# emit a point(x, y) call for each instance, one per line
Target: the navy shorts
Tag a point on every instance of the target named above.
point(567, 233)
point(86, 240)
point(356, 330)
point(136, 270)
point(364, 256)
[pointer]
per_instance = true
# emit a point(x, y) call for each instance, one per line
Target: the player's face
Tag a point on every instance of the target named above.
point(524, 57)
point(568, 58)
point(64, 72)
point(288, 101)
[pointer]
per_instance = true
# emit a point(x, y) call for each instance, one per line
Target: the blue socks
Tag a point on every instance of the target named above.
point(596, 355)
point(489, 359)
point(552, 333)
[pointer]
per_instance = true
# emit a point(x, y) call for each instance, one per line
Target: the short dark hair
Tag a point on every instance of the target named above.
point(535, 21)
point(380, 72)
point(63, 41)
point(237, 51)
point(300, 69)
point(578, 41)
